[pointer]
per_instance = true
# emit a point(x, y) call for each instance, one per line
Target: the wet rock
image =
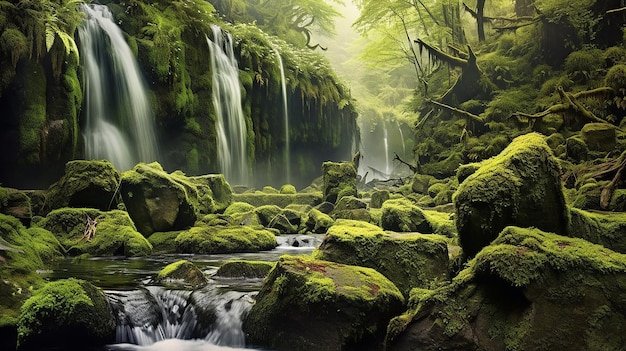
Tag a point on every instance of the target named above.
point(401, 215)
point(221, 192)
point(408, 260)
point(244, 269)
point(66, 314)
point(339, 180)
point(90, 184)
point(528, 290)
point(182, 272)
point(307, 304)
point(521, 186)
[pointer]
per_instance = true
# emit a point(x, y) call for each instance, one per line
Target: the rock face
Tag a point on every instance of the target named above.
point(339, 180)
point(183, 272)
point(408, 260)
point(308, 304)
point(90, 184)
point(66, 314)
point(521, 187)
point(528, 290)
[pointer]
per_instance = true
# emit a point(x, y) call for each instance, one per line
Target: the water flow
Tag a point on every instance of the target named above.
point(386, 143)
point(231, 124)
point(114, 94)
point(286, 117)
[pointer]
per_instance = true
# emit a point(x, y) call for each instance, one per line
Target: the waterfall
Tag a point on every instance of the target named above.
point(231, 124)
point(386, 144)
point(119, 123)
point(155, 314)
point(286, 117)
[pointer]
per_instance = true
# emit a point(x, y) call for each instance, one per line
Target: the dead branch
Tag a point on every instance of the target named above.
point(414, 169)
point(90, 229)
point(462, 113)
point(616, 10)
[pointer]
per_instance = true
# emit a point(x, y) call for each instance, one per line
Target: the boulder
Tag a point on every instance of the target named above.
point(16, 203)
point(339, 180)
point(521, 186)
point(401, 215)
point(576, 149)
point(318, 222)
point(307, 304)
point(599, 136)
point(66, 314)
point(528, 290)
point(228, 239)
point(114, 233)
point(588, 195)
point(220, 193)
point(92, 184)
point(288, 189)
point(603, 228)
point(182, 272)
point(244, 269)
point(155, 200)
point(378, 198)
point(408, 260)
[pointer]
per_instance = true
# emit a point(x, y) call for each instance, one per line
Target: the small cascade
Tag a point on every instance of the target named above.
point(386, 148)
point(231, 124)
point(119, 123)
point(401, 138)
point(286, 118)
point(155, 314)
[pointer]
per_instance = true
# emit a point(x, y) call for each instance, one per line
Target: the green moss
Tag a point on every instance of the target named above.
point(210, 240)
point(238, 207)
point(184, 271)
point(581, 65)
point(599, 228)
point(14, 45)
point(402, 215)
point(616, 78)
point(244, 269)
point(318, 222)
point(33, 116)
point(288, 189)
point(257, 199)
point(164, 242)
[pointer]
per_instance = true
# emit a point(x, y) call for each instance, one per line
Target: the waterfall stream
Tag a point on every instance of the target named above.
point(231, 124)
point(119, 123)
point(286, 118)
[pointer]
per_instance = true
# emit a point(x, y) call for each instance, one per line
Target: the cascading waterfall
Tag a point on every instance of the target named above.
point(231, 124)
point(285, 116)
point(154, 314)
point(119, 123)
point(386, 143)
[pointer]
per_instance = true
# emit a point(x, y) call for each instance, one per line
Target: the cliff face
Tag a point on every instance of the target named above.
point(43, 110)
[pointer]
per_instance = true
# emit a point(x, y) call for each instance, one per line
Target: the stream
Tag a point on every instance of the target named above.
point(154, 317)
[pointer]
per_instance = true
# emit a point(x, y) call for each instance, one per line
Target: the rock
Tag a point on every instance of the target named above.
point(16, 203)
point(115, 234)
point(91, 184)
point(401, 215)
point(230, 239)
point(599, 136)
point(66, 314)
point(378, 198)
point(221, 193)
point(258, 199)
point(318, 222)
point(339, 180)
point(435, 188)
point(555, 140)
point(307, 304)
point(325, 207)
point(603, 228)
point(182, 272)
point(408, 260)
point(282, 224)
point(360, 214)
point(576, 149)
point(466, 170)
point(528, 290)
point(444, 168)
point(588, 196)
point(349, 203)
point(155, 200)
point(244, 269)
point(521, 186)
point(266, 213)
point(288, 189)
point(421, 182)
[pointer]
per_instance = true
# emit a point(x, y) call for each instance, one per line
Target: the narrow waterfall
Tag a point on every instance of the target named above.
point(286, 117)
point(386, 144)
point(119, 123)
point(231, 124)
point(154, 314)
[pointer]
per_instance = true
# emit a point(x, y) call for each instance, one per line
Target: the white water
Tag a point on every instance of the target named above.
point(119, 123)
point(231, 124)
point(286, 118)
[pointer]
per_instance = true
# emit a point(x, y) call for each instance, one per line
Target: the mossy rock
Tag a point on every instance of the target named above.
point(62, 309)
point(408, 260)
point(16, 203)
point(588, 196)
point(360, 214)
point(603, 228)
point(283, 224)
point(160, 202)
point(521, 186)
point(181, 272)
point(244, 269)
point(288, 189)
point(444, 168)
point(258, 199)
point(421, 182)
point(23, 251)
point(466, 170)
point(339, 180)
point(307, 304)
point(599, 136)
point(214, 240)
point(164, 242)
point(266, 213)
point(528, 290)
point(576, 149)
point(115, 233)
point(318, 222)
point(90, 184)
point(221, 192)
point(379, 197)
point(401, 215)
point(349, 203)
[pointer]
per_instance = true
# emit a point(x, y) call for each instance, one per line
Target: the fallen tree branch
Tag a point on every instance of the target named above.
point(457, 111)
point(90, 229)
point(414, 169)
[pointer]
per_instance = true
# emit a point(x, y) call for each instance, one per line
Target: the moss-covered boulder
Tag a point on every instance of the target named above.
point(67, 314)
point(181, 272)
point(157, 201)
point(318, 222)
point(23, 251)
point(308, 304)
point(16, 203)
point(528, 290)
point(217, 239)
point(281, 200)
point(378, 198)
point(339, 180)
point(221, 192)
point(244, 269)
point(603, 228)
point(599, 136)
point(576, 149)
point(408, 260)
point(401, 215)
point(588, 195)
point(521, 186)
point(90, 184)
point(114, 234)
